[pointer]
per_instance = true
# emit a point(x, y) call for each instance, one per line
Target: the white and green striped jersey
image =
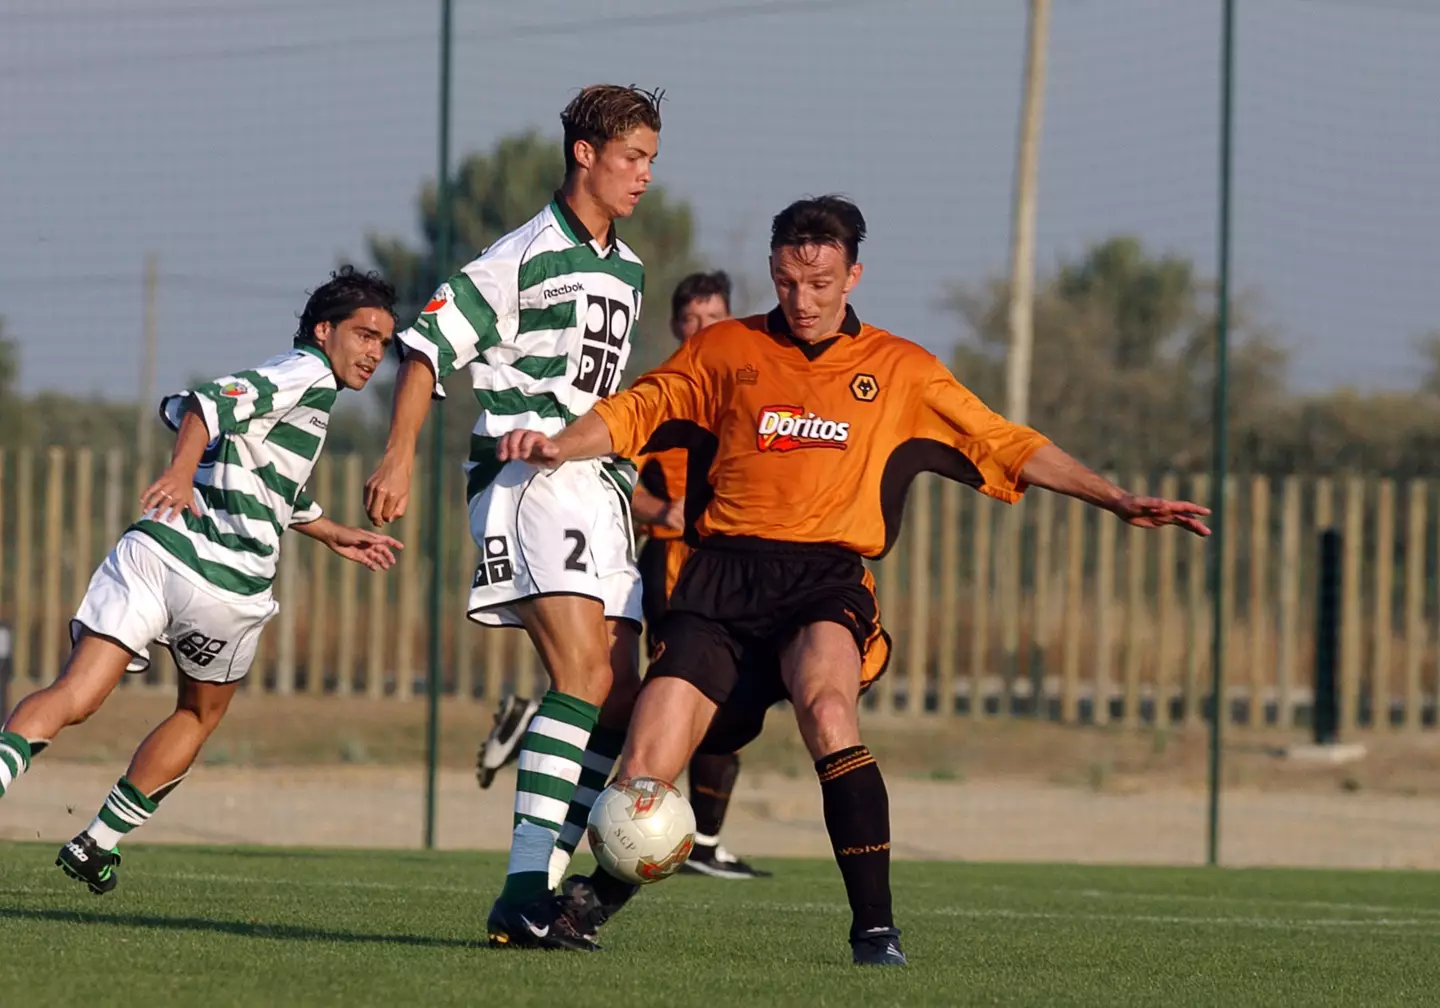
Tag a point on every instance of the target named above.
point(543, 320)
point(267, 426)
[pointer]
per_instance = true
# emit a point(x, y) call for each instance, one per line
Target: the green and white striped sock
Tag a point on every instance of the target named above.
point(125, 808)
point(550, 760)
point(600, 756)
point(14, 758)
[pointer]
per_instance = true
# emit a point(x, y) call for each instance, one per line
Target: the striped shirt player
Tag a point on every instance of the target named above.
point(543, 322)
point(195, 572)
point(266, 428)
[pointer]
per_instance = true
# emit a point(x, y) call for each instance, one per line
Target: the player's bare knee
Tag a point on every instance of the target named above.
point(592, 679)
point(206, 703)
point(828, 721)
point(580, 669)
point(671, 717)
point(649, 759)
point(77, 702)
point(574, 644)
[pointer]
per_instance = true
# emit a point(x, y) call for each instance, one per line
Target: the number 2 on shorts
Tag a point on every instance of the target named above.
point(573, 561)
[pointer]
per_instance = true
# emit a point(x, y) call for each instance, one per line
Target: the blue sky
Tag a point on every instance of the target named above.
point(252, 145)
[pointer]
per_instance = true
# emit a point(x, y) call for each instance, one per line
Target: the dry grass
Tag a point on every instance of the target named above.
point(317, 731)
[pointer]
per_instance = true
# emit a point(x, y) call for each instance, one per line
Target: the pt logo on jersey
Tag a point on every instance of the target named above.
point(199, 649)
point(495, 566)
point(234, 389)
point(607, 325)
point(787, 428)
point(864, 387)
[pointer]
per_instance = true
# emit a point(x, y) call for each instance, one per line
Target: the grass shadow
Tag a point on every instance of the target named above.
point(243, 929)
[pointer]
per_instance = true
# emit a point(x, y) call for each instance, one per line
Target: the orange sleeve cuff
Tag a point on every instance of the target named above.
point(1014, 463)
point(617, 421)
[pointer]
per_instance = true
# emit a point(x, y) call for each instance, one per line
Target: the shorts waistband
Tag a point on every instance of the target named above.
point(756, 545)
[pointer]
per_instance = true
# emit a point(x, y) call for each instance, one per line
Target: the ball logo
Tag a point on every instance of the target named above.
point(786, 428)
point(439, 300)
point(652, 870)
point(235, 390)
point(645, 794)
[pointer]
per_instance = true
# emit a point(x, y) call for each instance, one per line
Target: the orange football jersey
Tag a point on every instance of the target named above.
point(813, 443)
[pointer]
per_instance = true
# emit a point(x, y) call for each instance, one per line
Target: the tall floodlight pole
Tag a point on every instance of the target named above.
point(1220, 464)
point(1022, 235)
point(437, 446)
point(1021, 318)
point(145, 417)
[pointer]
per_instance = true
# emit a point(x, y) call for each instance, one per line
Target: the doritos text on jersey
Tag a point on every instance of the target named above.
point(786, 428)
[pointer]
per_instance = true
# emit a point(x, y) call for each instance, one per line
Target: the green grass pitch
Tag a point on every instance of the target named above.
point(214, 927)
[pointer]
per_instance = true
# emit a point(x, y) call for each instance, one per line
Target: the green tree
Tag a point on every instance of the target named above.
point(1123, 347)
point(1427, 345)
point(1393, 434)
point(51, 418)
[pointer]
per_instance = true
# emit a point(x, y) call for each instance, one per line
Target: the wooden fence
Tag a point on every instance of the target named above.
point(1046, 609)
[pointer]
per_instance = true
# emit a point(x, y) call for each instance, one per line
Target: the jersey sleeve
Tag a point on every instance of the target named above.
point(236, 402)
point(999, 449)
point(471, 312)
point(306, 510)
point(683, 388)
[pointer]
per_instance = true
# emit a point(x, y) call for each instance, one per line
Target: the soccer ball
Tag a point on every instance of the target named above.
point(641, 830)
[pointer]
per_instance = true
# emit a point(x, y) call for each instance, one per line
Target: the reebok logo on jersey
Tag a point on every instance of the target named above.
point(562, 290)
point(787, 428)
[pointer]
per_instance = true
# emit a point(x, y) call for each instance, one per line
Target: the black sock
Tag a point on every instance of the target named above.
point(857, 817)
point(612, 892)
point(712, 778)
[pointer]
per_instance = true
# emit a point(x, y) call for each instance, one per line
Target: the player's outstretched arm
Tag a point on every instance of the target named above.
point(586, 438)
point(387, 491)
point(369, 549)
point(1052, 469)
point(173, 492)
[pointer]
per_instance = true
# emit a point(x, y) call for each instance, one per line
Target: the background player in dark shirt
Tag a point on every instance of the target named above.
point(815, 423)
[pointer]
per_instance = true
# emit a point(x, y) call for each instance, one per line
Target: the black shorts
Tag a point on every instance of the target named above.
point(738, 603)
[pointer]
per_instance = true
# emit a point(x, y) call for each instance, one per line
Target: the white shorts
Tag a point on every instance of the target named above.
point(562, 531)
point(135, 599)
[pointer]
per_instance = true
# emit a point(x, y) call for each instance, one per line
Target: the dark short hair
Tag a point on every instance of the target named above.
point(820, 220)
point(602, 112)
point(346, 292)
point(698, 286)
